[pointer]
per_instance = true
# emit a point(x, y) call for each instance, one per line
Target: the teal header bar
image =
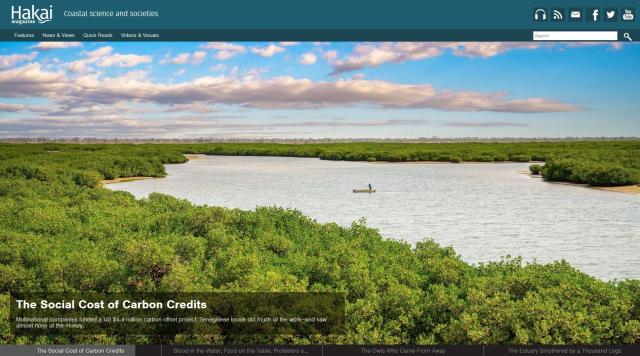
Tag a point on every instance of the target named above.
point(326, 20)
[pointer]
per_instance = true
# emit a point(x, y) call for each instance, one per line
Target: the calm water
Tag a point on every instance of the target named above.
point(485, 211)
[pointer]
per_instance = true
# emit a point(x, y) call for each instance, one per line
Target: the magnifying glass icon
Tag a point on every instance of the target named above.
point(627, 36)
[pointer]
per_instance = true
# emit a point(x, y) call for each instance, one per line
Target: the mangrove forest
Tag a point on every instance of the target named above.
point(61, 231)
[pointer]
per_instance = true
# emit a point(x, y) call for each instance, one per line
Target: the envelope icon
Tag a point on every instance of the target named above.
point(575, 14)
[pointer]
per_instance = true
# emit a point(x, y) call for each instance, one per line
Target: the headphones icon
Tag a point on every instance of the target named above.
point(540, 15)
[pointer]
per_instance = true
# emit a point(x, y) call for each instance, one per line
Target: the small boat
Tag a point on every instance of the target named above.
point(366, 190)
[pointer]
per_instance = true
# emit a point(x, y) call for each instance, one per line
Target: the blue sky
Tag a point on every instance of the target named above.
point(318, 90)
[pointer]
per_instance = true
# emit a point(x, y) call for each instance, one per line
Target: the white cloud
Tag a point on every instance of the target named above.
point(79, 66)
point(254, 74)
point(9, 60)
point(12, 107)
point(91, 88)
point(330, 55)
point(123, 60)
point(268, 51)
point(32, 81)
point(218, 67)
point(224, 50)
point(100, 52)
point(104, 57)
point(192, 108)
point(288, 44)
point(491, 124)
point(188, 58)
point(182, 58)
point(45, 46)
point(91, 99)
point(488, 49)
point(293, 93)
point(198, 56)
point(119, 126)
point(308, 58)
point(375, 54)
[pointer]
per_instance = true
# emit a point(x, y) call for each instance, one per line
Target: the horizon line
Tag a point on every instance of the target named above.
point(434, 139)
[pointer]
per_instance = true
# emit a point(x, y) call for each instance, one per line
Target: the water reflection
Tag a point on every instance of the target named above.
point(485, 211)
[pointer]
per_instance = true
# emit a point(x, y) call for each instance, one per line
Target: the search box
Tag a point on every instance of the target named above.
point(575, 35)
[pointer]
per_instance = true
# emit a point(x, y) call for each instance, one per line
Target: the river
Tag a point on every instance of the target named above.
point(485, 211)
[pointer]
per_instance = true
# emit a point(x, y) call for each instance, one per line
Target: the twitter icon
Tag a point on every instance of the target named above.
point(610, 15)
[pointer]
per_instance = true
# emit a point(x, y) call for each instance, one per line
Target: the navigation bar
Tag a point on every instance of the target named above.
point(320, 350)
point(312, 35)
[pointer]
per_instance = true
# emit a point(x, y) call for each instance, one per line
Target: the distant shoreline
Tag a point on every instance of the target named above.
point(302, 140)
point(633, 189)
point(445, 162)
point(125, 179)
point(627, 189)
point(190, 157)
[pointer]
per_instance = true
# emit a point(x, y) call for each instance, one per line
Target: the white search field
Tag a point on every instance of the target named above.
point(575, 35)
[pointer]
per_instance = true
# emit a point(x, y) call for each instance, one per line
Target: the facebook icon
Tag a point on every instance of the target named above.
point(593, 15)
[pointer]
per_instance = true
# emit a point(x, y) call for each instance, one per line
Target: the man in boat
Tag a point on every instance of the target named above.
point(370, 188)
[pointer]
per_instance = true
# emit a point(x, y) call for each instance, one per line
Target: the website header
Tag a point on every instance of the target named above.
point(373, 20)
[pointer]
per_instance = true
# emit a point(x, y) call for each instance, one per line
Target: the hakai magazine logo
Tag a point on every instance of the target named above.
point(23, 15)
